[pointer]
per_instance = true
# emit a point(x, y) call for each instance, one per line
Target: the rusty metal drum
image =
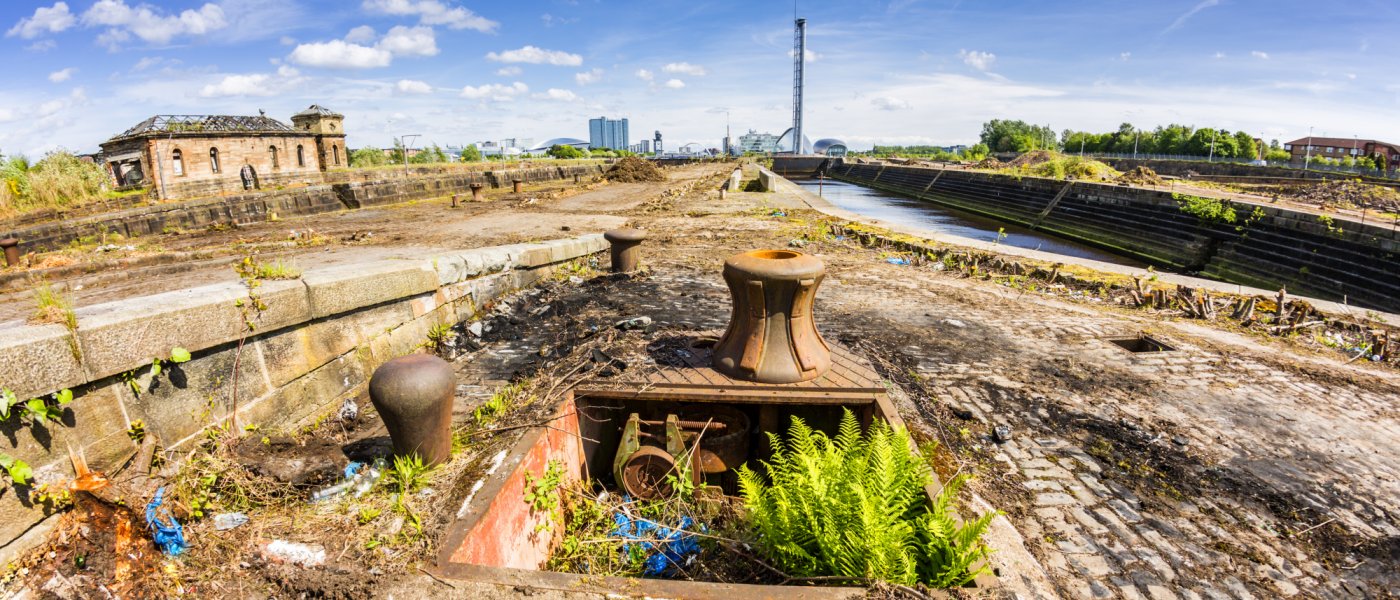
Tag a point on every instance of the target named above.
point(772, 336)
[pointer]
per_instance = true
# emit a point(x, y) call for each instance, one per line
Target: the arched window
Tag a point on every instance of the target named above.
point(301, 156)
point(214, 159)
point(179, 161)
point(273, 150)
point(335, 152)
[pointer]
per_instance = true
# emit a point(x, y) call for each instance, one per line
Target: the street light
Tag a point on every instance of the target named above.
point(403, 141)
point(1211, 158)
point(1307, 156)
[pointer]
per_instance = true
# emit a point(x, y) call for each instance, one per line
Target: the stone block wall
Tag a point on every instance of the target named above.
point(1332, 259)
point(315, 345)
point(200, 180)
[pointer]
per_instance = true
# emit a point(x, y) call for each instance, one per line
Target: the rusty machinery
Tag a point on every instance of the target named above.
point(646, 460)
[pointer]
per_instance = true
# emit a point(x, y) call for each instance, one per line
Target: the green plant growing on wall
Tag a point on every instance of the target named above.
point(542, 493)
point(36, 410)
point(1208, 210)
point(855, 508)
point(18, 470)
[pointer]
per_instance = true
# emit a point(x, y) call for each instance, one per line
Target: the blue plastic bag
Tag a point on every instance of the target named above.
point(168, 534)
point(670, 546)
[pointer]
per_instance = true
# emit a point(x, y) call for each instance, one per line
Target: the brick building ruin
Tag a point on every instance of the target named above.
point(189, 156)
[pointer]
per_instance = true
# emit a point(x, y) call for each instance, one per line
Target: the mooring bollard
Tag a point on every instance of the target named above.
point(772, 336)
point(454, 200)
point(476, 192)
point(626, 248)
point(11, 246)
point(413, 394)
point(516, 187)
point(721, 193)
point(575, 178)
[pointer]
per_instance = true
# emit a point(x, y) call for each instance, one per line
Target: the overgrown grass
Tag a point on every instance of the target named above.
point(1061, 167)
point(251, 269)
point(59, 180)
point(53, 306)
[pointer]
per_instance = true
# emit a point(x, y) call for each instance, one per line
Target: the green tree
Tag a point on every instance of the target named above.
point(430, 155)
point(976, 151)
point(1016, 136)
point(564, 151)
point(1277, 155)
point(369, 156)
point(471, 154)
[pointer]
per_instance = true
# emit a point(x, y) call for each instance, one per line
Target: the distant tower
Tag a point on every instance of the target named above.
point(799, 60)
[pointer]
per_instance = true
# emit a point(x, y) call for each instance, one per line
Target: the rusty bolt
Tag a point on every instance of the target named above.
point(414, 396)
point(476, 192)
point(516, 187)
point(11, 246)
point(626, 248)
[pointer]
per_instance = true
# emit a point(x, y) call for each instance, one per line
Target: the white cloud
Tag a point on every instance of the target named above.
point(337, 54)
point(645, 75)
point(6, 115)
point(675, 84)
point(255, 84)
point(146, 23)
point(413, 86)
point(1181, 20)
point(558, 94)
point(62, 76)
point(1260, 55)
point(587, 77)
point(434, 12)
point(511, 71)
point(363, 34)
point(1351, 75)
point(410, 41)
point(1219, 55)
point(977, 60)
point(288, 72)
point(42, 46)
point(494, 91)
point(685, 68)
point(884, 103)
point(537, 56)
point(288, 40)
point(53, 19)
point(1124, 56)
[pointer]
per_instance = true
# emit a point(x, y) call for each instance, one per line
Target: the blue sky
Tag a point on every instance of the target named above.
point(901, 71)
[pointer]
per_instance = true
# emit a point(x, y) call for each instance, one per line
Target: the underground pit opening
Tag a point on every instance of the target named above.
point(1141, 343)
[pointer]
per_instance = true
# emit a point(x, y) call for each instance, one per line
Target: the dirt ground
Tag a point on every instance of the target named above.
point(1234, 466)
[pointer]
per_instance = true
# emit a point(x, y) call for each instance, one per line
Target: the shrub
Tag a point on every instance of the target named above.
point(61, 179)
point(855, 507)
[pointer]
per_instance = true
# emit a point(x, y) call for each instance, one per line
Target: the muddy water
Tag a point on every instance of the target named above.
point(891, 207)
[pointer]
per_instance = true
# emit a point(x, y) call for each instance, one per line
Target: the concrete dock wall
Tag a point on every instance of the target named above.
point(1266, 246)
point(314, 345)
point(347, 193)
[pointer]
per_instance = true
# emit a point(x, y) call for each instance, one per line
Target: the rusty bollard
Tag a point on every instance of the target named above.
point(11, 246)
point(575, 178)
point(454, 200)
point(626, 248)
point(772, 336)
point(476, 192)
point(414, 396)
point(515, 185)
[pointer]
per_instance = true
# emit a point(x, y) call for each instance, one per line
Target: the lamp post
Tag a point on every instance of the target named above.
point(1136, 135)
point(1307, 155)
point(1211, 158)
point(403, 141)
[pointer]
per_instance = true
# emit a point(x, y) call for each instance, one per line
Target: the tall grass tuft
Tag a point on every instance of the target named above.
point(59, 180)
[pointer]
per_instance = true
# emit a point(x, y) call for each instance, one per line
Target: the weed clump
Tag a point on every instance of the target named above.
point(854, 507)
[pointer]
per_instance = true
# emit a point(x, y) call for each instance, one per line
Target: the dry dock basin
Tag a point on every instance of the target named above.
point(495, 537)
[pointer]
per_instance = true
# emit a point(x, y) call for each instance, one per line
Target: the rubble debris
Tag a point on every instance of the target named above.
point(633, 323)
point(305, 555)
point(227, 521)
point(167, 533)
point(1001, 434)
point(1140, 175)
point(634, 170)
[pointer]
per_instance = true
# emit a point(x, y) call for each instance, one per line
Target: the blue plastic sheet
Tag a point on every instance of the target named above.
point(897, 260)
point(352, 468)
point(668, 546)
point(165, 530)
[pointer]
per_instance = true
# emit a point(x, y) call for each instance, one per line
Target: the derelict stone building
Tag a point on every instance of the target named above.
point(189, 156)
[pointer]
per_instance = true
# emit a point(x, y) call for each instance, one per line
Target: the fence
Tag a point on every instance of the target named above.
point(1392, 174)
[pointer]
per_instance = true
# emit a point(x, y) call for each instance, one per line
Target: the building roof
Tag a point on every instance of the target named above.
point(547, 144)
point(204, 124)
point(316, 110)
point(1342, 142)
point(822, 145)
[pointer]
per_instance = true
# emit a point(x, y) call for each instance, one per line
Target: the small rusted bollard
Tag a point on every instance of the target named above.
point(414, 396)
point(722, 192)
point(575, 178)
point(772, 336)
point(476, 192)
point(626, 248)
point(11, 246)
point(454, 200)
point(517, 187)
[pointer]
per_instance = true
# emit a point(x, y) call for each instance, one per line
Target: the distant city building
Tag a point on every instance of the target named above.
point(829, 147)
point(508, 146)
point(607, 133)
point(758, 142)
point(188, 156)
point(642, 147)
point(544, 146)
point(1326, 147)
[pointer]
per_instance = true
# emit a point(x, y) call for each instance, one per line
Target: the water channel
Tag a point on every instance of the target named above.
point(899, 209)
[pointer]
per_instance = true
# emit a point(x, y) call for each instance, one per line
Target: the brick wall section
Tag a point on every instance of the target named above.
point(1312, 257)
point(316, 344)
point(255, 207)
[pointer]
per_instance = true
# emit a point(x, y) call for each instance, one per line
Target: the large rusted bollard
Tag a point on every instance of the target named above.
point(476, 192)
point(11, 246)
point(414, 396)
point(772, 337)
point(516, 187)
point(626, 248)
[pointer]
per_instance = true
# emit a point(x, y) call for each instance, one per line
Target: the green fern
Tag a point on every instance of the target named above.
point(855, 507)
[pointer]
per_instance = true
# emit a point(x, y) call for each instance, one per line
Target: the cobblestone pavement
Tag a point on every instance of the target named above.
point(1227, 467)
